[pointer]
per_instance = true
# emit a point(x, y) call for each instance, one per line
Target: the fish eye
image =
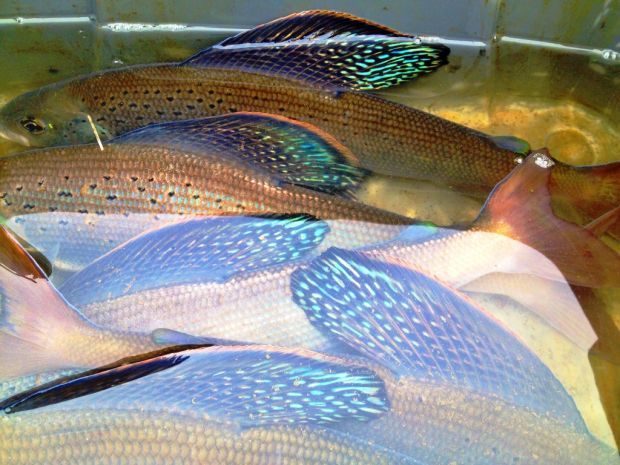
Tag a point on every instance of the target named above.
point(32, 125)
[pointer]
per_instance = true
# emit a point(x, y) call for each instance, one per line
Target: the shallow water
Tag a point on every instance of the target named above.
point(561, 98)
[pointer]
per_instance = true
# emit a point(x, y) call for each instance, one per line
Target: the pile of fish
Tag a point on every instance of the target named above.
point(188, 277)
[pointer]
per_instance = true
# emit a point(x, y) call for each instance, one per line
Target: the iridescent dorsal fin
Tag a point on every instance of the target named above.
point(198, 250)
point(331, 50)
point(418, 327)
point(250, 385)
point(295, 152)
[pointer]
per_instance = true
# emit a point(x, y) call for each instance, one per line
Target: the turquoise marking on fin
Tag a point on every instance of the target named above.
point(295, 152)
point(514, 144)
point(418, 327)
point(253, 386)
point(195, 251)
point(418, 233)
point(327, 49)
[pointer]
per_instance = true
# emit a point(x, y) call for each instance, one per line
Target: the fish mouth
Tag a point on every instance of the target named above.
point(6, 133)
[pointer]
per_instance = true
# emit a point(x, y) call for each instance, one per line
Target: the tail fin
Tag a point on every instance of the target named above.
point(520, 207)
point(34, 318)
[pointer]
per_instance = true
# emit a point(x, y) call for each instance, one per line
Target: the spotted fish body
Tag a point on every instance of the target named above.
point(124, 179)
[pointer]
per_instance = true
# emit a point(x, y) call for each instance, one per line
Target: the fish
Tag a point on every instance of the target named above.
point(387, 137)
point(40, 331)
point(459, 382)
point(242, 163)
point(219, 405)
point(327, 49)
point(131, 288)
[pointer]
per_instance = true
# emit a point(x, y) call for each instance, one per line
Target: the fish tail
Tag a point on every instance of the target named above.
point(520, 207)
point(39, 330)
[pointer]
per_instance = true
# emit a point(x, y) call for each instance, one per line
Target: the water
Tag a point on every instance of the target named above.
point(560, 97)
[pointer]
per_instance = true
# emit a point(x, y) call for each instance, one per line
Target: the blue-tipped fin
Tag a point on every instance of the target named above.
point(252, 386)
point(418, 327)
point(198, 250)
point(292, 151)
point(512, 143)
point(331, 50)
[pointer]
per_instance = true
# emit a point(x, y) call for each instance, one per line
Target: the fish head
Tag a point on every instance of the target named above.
point(48, 116)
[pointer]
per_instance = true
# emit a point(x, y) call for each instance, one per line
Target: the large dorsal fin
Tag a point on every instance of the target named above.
point(250, 385)
point(295, 152)
point(198, 250)
point(327, 49)
point(520, 208)
point(418, 327)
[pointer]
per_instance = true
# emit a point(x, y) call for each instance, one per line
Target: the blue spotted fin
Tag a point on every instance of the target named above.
point(250, 385)
point(198, 250)
point(331, 50)
point(295, 152)
point(418, 327)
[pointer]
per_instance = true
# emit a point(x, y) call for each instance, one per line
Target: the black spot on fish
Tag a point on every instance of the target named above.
point(218, 200)
point(232, 109)
point(139, 118)
point(146, 91)
point(196, 197)
point(102, 118)
point(28, 206)
point(111, 197)
point(82, 210)
point(112, 98)
point(151, 179)
point(134, 178)
point(52, 70)
point(191, 107)
point(99, 212)
point(63, 222)
point(211, 91)
point(133, 105)
point(190, 91)
point(103, 103)
point(95, 98)
point(212, 106)
point(170, 99)
point(153, 201)
point(177, 113)
point(146, 106)
point(157, 91)
point(53, 209)
point(107, 177)
point(3, 195)
point(199, 100)
point(160, 113)
point(228, 94)
point(141, 189)
point(40, 183)
point(66, 178)
point(8, 203)
point(219, 101)
point(93, 186)
point(170, 194)
point(112, 109)
point(178, 91)
point(125, 92)
point(65, 194)
point(188, 184)
point(19, 188)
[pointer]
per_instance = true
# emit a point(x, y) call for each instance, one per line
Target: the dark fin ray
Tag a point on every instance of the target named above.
point(295, 152)
point(418, 327)
point(601, 225)
point(198, 250)
point(253, 385)
point(327, 49)
point(520, 208)
point(35, 320)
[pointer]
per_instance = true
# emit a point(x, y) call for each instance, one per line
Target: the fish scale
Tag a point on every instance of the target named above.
point(137, 179)
point(384, 134)
point(108, 436)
